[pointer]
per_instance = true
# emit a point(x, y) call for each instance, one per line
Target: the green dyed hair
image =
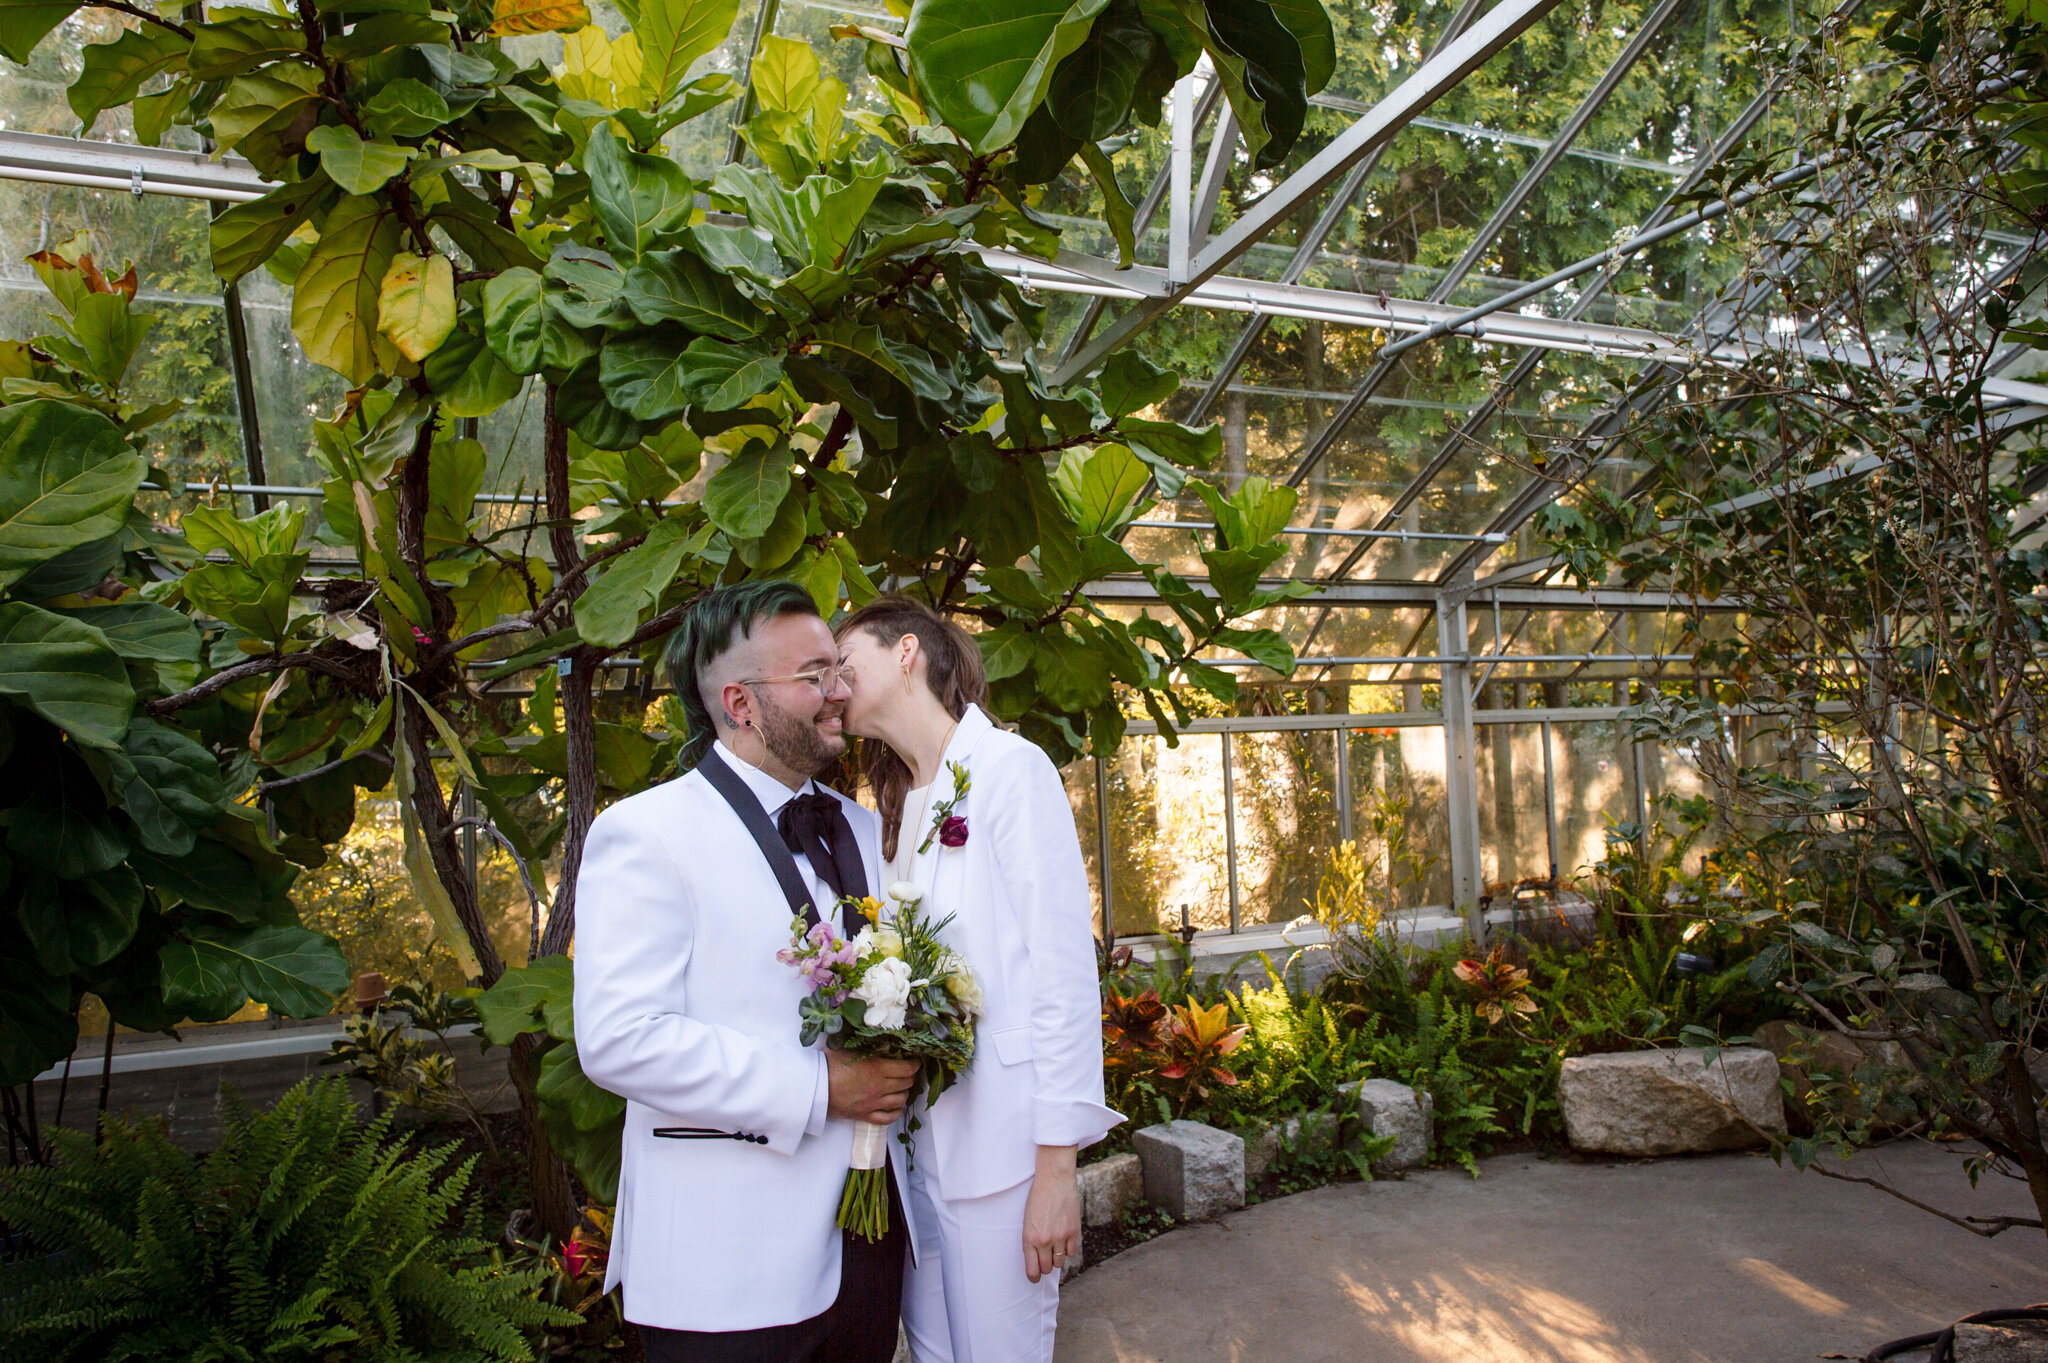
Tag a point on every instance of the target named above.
point(708, 632)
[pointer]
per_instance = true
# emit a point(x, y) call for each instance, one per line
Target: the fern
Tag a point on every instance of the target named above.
point(305, 1236)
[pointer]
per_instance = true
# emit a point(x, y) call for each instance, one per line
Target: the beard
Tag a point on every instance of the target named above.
point(796, 743)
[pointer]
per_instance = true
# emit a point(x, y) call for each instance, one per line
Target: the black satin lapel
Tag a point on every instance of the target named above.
point(727, 783)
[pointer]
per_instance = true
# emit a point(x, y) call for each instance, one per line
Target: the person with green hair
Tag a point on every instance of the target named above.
point(737, 1136)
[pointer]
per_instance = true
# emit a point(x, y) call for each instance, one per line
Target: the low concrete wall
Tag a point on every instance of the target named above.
point(181, 1081)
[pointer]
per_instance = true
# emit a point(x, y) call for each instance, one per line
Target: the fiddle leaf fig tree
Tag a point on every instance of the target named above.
point(802, 366)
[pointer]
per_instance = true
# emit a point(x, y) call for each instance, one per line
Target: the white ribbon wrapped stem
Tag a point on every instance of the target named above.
point(870, 1146)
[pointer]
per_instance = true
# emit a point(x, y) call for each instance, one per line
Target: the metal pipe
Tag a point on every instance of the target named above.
point(1230, 829)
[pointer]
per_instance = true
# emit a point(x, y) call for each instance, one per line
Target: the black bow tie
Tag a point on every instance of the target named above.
point(816, 826)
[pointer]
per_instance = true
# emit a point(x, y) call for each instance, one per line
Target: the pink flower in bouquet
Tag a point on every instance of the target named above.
point(953, 832)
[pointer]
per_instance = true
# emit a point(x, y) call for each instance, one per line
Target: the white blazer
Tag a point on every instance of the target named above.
point(683, 1010)
point(1018, 891)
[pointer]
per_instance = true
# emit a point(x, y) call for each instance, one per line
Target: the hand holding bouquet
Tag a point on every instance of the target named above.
point(894, 991)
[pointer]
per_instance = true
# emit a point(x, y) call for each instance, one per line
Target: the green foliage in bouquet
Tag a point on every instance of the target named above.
point(305, 1237)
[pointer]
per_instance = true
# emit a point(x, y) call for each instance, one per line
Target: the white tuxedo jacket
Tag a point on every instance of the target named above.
point(1018, 891)
point(683, 1010)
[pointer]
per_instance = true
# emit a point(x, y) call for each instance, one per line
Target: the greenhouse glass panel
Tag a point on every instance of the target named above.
point(1514, 815)
point(1079, 778)
point(1592, 761)
point(1285, 807)
point(1397, 808)
point(1167, 840)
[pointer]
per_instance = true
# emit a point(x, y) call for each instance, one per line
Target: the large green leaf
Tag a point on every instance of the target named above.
point(177, 788)
point(66, 672)
point(142, 631)
point(652, 377)
point(359, 167)
point(1130, 382)
point(1091, 90)
point(469, 378)
point(212, 876)
point(23, 24)
point(66, 479)
point(1272, 99)
point(263, 115)
point(673, 34)
point(983, 65)
point(1098, 487)
point(234, 47)
point(538, 998)
point(65, 834)
point(584, 1123)
point(638, 198)
point(290, 970)
point(609, 610)
point(1309, 22)
point(406, 108)
point(112, 74)
point(512, 318)
point(250, 233)
point(334, 298)
point(37, 1025)
point(77, 924)
point(742, 497)
point(678, 286)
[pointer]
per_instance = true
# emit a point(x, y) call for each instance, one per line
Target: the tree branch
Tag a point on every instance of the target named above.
point(313, 660)
point(1986, 1226)
point(142, 14)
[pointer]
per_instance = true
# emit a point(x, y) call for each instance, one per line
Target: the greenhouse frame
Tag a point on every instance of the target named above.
point(1401, 383)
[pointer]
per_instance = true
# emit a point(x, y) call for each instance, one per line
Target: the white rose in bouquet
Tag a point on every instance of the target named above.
point(885, 989)
point(961, 984)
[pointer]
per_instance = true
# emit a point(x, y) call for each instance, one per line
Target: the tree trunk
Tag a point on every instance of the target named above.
point(430, 805)
point(579, 730)
point(579, 717)
point(555, 1207)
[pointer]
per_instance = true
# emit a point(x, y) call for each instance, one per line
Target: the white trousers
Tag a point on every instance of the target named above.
point(967, 1299)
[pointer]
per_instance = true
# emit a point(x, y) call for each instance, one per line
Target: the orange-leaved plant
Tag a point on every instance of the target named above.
point(1197, 1041)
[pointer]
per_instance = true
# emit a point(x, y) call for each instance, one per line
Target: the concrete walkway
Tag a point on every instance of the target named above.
point(1721, 1259)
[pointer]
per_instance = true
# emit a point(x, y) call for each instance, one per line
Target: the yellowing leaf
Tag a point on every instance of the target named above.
point(416, 306)
point(334, 297)
point(537, 16)
point(784, 75)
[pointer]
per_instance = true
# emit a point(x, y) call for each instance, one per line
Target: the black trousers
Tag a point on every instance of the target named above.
point(859, 1326)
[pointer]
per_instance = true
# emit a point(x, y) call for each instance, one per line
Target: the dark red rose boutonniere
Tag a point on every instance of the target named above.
point(948, 828)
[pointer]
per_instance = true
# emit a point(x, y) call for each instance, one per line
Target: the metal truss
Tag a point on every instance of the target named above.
point(1191, 268)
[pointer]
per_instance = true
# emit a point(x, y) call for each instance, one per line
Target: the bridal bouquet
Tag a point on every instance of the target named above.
point(896, 991)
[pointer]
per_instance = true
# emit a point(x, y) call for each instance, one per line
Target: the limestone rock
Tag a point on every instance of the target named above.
point(1387, 1108)
point(2009, 1341)
point(1191, 1169)
point(1108, 1186)
point(1670, 1102)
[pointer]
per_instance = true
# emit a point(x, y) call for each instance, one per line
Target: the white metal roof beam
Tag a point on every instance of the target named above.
point(1431, 81)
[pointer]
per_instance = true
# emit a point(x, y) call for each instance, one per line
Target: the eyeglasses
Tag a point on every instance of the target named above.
point(825, 679)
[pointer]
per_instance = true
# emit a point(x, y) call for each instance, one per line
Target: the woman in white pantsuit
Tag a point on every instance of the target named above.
point(992, 1187)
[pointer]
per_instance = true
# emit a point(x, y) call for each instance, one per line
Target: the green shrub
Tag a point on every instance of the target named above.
point(305, 1236)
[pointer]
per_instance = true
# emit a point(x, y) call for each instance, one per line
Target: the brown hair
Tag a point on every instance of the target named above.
point(952, 673)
